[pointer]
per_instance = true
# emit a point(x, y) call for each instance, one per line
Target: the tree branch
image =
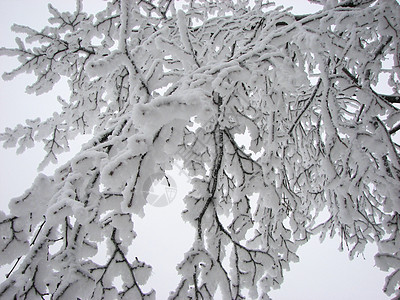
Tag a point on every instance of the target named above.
point(306, 107)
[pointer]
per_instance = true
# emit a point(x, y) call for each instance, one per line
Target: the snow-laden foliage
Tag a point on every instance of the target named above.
point(154, 83)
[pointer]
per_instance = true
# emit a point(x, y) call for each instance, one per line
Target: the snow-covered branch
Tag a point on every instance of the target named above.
point(230, 88)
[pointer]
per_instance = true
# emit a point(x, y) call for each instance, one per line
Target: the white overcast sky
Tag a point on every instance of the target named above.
point(322, 273)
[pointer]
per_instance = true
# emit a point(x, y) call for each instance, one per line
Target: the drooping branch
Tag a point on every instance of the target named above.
point(213, 182)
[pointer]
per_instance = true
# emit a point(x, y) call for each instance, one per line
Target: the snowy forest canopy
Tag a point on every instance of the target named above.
point(153, 83)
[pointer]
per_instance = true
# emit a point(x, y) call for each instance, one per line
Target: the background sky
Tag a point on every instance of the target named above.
point(322, 273)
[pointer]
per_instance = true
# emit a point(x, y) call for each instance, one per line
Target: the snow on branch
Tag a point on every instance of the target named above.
point(273, 116)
